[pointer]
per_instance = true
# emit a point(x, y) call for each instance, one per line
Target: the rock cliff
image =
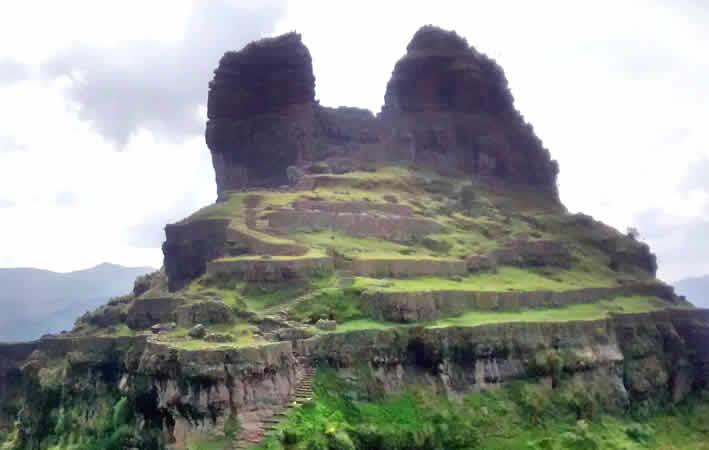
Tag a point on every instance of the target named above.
point(446, 105)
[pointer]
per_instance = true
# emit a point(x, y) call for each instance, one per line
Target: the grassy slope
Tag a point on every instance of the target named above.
point(589, 311)
point(504, 279)
point(497, 215)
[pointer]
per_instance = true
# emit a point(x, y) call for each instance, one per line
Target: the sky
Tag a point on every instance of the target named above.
point(103, 104)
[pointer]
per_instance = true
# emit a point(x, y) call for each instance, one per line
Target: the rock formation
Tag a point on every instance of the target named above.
point(446, 105)
point(451, 106)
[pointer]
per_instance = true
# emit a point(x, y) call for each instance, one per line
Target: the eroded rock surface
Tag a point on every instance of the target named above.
point(447, 105)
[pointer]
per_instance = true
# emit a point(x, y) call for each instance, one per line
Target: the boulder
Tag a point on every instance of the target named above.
point(326, 325)
point(198, 331)
point(160, 327)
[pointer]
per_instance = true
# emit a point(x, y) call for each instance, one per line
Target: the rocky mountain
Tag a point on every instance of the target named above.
point(695, 289)
point(446, 105)
point(359, 275)
point(34, 302)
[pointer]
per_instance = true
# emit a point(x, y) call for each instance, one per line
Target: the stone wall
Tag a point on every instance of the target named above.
point(431, 305)
point(407, 268)
point(393, 228)
point(354, 207)
point(258, 269)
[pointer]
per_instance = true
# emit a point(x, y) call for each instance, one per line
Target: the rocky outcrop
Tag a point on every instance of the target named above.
point(261, 112)
point(446, 105)
point(450, 106)
point(189, 245)
point(146, 312)
point(624, 251)
point(430, 305)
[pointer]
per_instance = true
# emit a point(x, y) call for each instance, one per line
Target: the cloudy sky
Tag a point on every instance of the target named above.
point(102, 106)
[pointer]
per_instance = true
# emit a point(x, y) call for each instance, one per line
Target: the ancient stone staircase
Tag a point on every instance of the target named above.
point(303, 392)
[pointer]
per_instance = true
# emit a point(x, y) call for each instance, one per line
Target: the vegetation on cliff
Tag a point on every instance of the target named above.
point(521, 415)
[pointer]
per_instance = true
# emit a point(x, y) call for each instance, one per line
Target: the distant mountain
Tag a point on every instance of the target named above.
point(34, 302)
point(695, 289)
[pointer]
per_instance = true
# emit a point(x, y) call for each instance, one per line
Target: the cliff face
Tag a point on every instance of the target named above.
point(451, 106)
point(446, 105)
point(183, 394)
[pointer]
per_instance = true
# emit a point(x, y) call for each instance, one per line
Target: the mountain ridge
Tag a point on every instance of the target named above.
point(41, 301)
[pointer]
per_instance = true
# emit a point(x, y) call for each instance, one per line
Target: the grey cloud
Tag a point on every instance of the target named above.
point(159, 86)
point(12, 71)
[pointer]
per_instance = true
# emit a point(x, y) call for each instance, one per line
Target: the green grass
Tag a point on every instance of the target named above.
point(329, 303)
point(364, 324)
point(349, 245)
point(240, 330)
point(312, 253)
point(586, 311)
point(117, 331)
point(506, 278)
